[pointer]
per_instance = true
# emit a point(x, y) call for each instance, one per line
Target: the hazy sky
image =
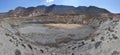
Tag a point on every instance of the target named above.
point(111, 5)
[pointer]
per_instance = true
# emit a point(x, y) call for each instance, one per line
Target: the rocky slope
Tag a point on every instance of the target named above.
point(95, 38)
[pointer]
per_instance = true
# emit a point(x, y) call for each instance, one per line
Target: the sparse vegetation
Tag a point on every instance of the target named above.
point(17, 52)
point(30, 46)
point(10, 40)
point(73, 54)
point(23, 45)
point(102, 38)
point(97, 44)
point(41, 50)
point(114, 36)
point(7, 34)
point(92, 39)
point(71, 35)
point(110, 29)
point(115, 53)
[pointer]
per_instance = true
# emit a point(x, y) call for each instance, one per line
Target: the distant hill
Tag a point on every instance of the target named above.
point(57, 10)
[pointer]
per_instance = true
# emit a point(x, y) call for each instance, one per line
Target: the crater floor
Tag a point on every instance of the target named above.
point(55, 33)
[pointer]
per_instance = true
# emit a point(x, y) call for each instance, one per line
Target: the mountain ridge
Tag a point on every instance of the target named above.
point(57, 10)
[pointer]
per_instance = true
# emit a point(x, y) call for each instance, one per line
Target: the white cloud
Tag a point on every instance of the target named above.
point(48, 1)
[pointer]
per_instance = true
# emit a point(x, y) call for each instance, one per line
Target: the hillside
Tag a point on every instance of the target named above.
point(57, 10)
point(58, 14)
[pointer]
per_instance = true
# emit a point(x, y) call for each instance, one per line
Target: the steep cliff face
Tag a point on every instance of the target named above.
point(57, 10)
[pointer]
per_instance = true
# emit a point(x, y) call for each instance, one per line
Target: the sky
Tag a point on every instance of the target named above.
point(111, 5)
